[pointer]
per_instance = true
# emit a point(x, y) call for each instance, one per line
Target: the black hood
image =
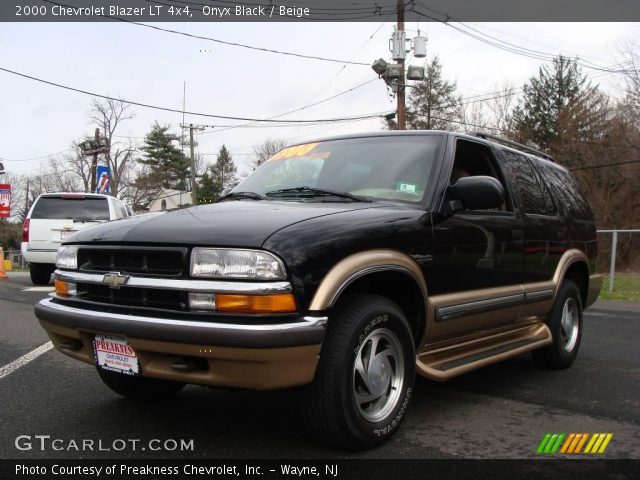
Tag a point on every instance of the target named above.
point(239, 223)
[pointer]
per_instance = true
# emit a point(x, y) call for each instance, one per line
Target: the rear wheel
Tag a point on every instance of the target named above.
point(565, 323)
point(41, 273)
point(139, 388)
point(365, 376)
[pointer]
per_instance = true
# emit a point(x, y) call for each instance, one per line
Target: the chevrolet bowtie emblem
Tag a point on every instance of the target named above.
point(115, 279)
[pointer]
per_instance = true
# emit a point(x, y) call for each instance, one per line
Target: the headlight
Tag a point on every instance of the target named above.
point(227, 263)
point(67, 257)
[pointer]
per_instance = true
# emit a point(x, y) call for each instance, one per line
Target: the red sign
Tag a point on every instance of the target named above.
point(5, 200)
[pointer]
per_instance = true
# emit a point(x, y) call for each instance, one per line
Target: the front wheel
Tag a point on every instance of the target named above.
point(138, 388)
point(365, 376)
point(565, 323)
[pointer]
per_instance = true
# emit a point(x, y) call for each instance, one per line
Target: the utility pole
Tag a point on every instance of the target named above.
point(394, 73)
point(402, 110)
point(194, 191)
point(94, 146)
point(26, 201)
point(94, 164)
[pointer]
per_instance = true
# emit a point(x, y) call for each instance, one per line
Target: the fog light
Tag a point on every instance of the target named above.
point(66, 289)
point(202, 301)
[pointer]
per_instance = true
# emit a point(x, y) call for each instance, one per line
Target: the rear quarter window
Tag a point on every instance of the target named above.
point(565, 190)
point(87, 208)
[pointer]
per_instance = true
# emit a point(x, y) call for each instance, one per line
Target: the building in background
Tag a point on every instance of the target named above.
point(170, 199)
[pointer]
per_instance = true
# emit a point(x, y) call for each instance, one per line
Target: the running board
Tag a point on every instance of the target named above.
point(445, 363)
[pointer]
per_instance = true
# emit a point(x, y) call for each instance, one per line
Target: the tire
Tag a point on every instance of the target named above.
point(348, 405)
point(143, 389)
point(565, 323)
point(41, 273)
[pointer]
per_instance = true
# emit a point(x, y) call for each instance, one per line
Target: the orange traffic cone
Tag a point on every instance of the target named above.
point(3, 274)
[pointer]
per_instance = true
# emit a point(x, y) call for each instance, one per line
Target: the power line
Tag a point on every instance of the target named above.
point(174, 110)
point(615, 164)
point(508, 46)
point(223, 42)
point(230, 127)
point(344, 66)
point(36, 158)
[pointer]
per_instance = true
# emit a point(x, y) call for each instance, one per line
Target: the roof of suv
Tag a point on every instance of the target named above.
point(530, 151)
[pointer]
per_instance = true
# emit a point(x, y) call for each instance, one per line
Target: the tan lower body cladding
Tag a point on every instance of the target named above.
point(252, 368)
point(465, 330)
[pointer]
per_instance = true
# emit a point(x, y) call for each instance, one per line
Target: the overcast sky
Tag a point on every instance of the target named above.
point(149, 66)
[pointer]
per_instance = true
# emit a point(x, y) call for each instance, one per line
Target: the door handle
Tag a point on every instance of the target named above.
point(517, 234)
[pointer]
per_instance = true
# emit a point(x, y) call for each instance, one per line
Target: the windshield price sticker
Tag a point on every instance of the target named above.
point(295, 151)
point(116, 354)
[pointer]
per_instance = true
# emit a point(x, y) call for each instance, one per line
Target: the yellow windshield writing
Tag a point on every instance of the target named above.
point(295, 151)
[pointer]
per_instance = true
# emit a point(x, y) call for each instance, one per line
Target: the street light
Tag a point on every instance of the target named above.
point(395, 72)
point(379, 66)
point(415, 73)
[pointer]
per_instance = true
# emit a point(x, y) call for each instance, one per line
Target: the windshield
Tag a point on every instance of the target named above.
point(384, 168)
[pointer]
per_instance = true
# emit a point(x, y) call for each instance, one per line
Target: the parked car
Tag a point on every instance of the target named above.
point(54, 217)
point(345, 266)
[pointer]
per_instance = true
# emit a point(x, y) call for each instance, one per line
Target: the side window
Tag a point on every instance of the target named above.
point(567, 192)
point(473, 159)
point(532, 198)
point(120, 210)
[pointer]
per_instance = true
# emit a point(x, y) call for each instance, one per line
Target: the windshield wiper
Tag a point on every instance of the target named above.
point(313, 192)
point(238, 195)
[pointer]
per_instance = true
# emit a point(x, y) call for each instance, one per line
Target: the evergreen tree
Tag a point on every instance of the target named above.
point(433, 103)
point(218, 176)
point(558, 105)
point(207, 190)
point(164, 159)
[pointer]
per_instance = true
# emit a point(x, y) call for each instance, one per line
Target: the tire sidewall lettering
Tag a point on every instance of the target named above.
point(392, 422)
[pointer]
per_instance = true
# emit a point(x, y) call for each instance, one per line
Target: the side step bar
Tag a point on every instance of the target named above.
point(445, 363)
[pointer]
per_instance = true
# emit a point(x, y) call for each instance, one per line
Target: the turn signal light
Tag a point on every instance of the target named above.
point(278, 303)
point(65, 289)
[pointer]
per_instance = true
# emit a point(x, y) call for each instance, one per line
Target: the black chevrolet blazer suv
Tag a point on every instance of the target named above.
point(342, 266)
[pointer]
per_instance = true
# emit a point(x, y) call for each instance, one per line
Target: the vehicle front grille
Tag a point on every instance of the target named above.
point(133, 297)
point(156, 262)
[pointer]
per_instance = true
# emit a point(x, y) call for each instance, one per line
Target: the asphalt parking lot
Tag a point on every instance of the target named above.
point(502, 411)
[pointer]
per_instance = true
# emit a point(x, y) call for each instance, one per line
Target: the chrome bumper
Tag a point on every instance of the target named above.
point(308, 330)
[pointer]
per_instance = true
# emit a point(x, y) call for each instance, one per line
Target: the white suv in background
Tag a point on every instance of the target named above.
point(53, 217)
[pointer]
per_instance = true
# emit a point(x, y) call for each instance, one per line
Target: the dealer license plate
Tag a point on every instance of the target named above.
point(115, 354)
point(64, 234)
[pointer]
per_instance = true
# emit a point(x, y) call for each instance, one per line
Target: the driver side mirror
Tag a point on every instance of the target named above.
point(476, 193)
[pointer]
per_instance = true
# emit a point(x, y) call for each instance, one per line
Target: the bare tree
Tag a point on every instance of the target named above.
point(501, 107)
point(17, 193)
point(631, 63)
point(70, 173)
point(108, 115)
point(476, 116)
point(267, 149)
point(492, 113)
